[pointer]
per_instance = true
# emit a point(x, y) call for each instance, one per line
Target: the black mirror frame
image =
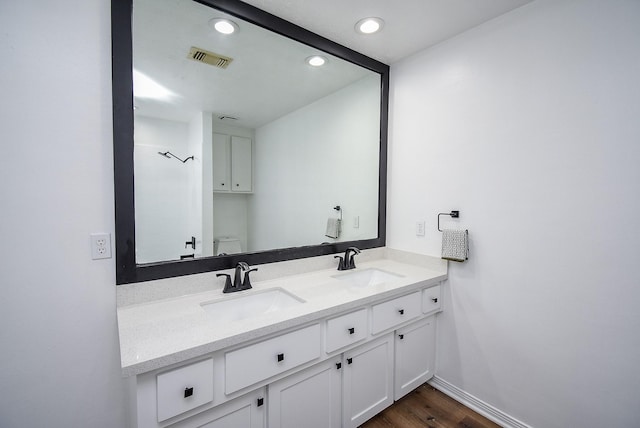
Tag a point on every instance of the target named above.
point(127, 271)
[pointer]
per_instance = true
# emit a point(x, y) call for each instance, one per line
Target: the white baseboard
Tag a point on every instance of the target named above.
point(474, 403)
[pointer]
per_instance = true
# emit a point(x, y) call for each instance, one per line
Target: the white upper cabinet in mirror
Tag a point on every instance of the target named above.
point(288, 140)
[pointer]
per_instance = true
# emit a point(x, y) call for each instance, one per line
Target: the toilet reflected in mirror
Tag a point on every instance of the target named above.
point(227, 245)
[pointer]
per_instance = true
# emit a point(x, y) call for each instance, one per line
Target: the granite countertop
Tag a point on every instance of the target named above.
point(171, 330)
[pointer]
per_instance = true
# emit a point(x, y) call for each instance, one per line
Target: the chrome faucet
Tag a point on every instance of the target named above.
point(240, 282)
point(347, 262)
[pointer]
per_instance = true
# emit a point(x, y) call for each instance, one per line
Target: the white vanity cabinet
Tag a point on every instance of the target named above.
point(368, 380)
point(232, 163)
point(415, 350)
point(337, 371)
point(311, 398)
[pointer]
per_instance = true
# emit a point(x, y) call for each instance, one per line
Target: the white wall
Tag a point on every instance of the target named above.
point(200, 187)
point(193, 211)
point(165, 190)
point(312, 160)
point(173, 199)
point(206, 132)
point(529, 126)
point(59, 363)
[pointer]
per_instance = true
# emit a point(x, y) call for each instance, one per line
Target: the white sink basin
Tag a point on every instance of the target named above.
point(249, 305)
point(366, 277)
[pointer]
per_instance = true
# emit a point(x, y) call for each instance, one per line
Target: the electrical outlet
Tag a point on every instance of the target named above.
point(100, 246)
point(356, 222)
point(420, 228)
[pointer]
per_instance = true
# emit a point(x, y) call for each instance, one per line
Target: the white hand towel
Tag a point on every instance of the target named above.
point(333, 228)
point(455, 245)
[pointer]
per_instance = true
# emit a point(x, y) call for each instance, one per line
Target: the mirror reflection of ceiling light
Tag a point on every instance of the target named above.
point(146, 87)
point(369, 25)
point(316, 60)
point(224, 26)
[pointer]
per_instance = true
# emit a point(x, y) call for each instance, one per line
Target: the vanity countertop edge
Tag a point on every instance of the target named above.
point(167, 331)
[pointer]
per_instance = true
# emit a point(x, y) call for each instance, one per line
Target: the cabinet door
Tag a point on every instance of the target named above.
point(415, 354)
point(220, 163)
point(309, 399)
point(241, 164)
point(247, 411)
point(368, 380)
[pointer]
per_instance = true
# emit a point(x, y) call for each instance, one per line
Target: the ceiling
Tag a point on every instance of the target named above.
point(410, 25)
point(268, 77)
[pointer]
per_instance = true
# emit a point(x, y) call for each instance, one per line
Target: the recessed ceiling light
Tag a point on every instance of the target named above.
point(369, 25)
point(316, 60)
point(224, 26)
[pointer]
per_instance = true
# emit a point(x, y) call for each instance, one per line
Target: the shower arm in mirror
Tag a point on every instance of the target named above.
point(127, 269)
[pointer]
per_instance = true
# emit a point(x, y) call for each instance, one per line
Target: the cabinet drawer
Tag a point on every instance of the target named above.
point(254, 363)
point(431, 299)
point(346, 329)
point(394, 312)
point(184, 388)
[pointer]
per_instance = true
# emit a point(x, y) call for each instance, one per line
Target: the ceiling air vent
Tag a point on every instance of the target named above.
point(210, 58)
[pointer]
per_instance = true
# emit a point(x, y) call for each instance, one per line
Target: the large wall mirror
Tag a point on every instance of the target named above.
point(233, 147)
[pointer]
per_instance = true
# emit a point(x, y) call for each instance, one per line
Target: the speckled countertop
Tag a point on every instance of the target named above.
point(161, 332)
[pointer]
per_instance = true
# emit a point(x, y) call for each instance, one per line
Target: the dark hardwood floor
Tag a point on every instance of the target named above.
point(426, 407)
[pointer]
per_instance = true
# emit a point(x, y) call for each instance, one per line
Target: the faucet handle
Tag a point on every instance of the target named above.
point(246, 283)
point(341, 264)
point(352, 262)
point(349, 260)
point(228, 287)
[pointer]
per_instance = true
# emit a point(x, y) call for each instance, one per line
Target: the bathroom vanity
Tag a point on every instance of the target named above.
point(313, 348)
point(308, 346)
